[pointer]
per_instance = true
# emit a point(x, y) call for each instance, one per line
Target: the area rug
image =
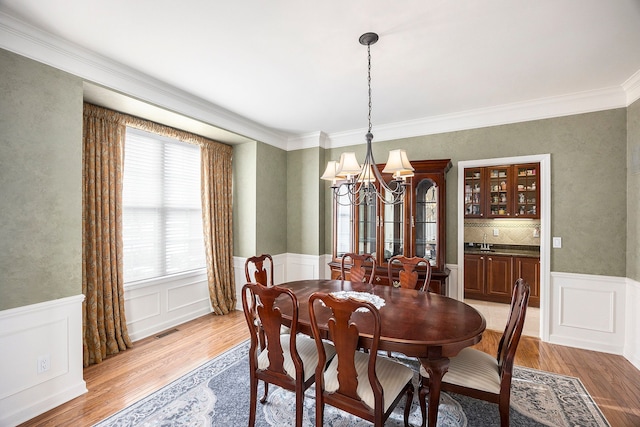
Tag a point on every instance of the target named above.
point(217, 394)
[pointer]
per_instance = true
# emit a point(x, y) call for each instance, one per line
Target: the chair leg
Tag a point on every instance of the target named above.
point(253, 401)
point(299, 407)
point(422, 397)
point(504, 413)
point(407, 406)
point(266, 390)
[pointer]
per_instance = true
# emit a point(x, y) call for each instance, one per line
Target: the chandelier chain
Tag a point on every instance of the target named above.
point(369, 81)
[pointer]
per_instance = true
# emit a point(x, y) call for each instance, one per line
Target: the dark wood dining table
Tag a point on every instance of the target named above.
point(424, 325)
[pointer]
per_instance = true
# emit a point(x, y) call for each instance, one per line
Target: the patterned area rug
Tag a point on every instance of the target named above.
point(217, 394)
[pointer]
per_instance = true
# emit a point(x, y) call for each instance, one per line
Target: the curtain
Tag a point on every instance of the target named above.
point(217, 221)
point(103, 319)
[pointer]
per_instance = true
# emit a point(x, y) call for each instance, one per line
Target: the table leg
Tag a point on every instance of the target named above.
point(436, 369)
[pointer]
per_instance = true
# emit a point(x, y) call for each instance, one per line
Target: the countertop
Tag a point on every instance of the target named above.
point(505, 250)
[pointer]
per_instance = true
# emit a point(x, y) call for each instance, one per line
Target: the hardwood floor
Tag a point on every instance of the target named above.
point(153, 362)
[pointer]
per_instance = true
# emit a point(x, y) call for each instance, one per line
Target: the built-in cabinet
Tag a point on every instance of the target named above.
point(490, 277)
point(415, 227)
point(511, 191)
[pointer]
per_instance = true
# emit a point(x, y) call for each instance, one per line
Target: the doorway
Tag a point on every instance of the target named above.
point(545, 229)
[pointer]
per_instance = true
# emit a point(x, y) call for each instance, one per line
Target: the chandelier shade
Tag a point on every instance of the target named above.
point(353, 183)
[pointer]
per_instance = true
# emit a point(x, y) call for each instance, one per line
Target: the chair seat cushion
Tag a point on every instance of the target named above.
point(307, 350)
point(393, 377)
point(473, 369)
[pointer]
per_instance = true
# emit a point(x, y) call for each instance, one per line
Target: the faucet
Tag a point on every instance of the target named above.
point(485, 246)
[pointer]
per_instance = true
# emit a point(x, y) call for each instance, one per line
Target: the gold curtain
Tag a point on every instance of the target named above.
point(103, 318)
point(217, 222)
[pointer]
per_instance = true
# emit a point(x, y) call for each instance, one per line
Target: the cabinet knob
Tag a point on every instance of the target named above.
point(377, 278)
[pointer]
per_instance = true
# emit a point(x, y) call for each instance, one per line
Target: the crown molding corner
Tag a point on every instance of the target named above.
point(31, 42)
point(309, 140)
point(632, 88)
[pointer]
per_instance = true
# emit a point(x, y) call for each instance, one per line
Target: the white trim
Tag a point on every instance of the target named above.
point(536, 109)
point(545, 226)
point(588, 311)
point(632, 323)
point(29, 41)
point(632, 88)
point(52, 328)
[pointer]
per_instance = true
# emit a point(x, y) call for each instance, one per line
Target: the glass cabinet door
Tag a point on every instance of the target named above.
point(426, 220)
point(474, 196)
point(527, 191)
point(343, 226)
point(367, 215)
point(393, 231)
point(499, 192)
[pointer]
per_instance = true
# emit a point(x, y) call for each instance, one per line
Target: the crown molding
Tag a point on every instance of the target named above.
point(537, 109)
point(632, 87)
point(26, 40)
point(31, 42)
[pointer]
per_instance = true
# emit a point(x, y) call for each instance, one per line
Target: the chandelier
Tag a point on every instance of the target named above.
point(355, 184)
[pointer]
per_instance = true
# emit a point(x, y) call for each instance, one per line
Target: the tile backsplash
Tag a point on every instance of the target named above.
point(510, 232)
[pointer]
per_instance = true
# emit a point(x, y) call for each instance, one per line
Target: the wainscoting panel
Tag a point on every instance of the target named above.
point(632, 342)
point(49, 333)
point(588, 312)
point(153, 306)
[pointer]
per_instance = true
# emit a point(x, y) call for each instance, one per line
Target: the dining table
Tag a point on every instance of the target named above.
point(424, 325)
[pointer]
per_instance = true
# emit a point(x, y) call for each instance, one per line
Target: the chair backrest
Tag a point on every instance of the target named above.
point(356, 268)
point(513, 330)
point(262, 316)
point(344, 334)
point(255, 269)
point(407, 274)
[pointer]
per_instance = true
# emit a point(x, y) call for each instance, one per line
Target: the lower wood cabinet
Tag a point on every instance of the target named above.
point(491, 277)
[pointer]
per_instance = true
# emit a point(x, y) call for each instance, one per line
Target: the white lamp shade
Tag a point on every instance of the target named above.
point(348, 165)
point(403, 174)
point(367, 175)
point(398, 163)
point(330, 172)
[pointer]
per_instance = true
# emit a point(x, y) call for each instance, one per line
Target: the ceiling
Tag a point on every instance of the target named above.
point(296, 67)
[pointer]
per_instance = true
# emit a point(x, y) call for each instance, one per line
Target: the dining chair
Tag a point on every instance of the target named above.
point(408, 274)
point(287, 360)
point(356, 268)
point(356, 382)
point(479, 375)
point(255, 271)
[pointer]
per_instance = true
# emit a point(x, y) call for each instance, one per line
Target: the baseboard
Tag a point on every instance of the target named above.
point(51, 329)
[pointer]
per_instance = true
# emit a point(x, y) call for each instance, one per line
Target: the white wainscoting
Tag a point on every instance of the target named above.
point(588, 311)
point(53, 329)
point(632, 341)
point(153, 306)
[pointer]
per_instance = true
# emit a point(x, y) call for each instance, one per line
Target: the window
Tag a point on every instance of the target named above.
point(162, 211)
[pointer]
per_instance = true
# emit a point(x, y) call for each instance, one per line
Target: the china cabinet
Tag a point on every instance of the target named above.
point(510, 191)
point(415, 227)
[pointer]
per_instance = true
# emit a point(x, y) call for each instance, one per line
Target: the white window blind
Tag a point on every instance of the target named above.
point(162, 211)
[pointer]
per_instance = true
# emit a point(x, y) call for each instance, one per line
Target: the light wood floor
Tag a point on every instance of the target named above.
point(153, 362)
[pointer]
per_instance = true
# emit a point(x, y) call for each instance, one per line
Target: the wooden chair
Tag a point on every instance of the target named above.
point(356, 382)
point(408, 275)
point(288, 360)
point(478, 374)
point(356, 269)
point(255, 271)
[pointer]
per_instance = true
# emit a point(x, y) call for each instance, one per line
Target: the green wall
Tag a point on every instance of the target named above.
point(633, 191)
point(305, 201)
point(40, 182)
point(244, 199)
point(259, 199)
point(588, 175)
